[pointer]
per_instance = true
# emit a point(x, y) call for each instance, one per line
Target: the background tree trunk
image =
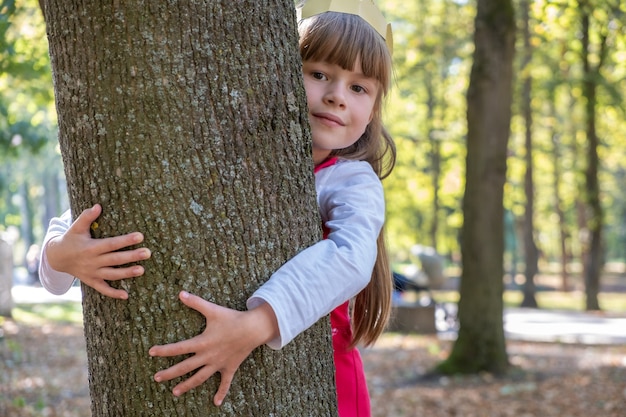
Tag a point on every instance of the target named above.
point(593, 252)
point(480, 343)
point(6, 278)
point(555, 156)
point(187, 121)
point(531, 254)
point(434, 156)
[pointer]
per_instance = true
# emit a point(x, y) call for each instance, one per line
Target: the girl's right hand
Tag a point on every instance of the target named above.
point(96, 261)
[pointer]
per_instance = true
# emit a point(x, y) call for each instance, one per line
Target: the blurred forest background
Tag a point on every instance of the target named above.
point(565, 52)
point(563, 202)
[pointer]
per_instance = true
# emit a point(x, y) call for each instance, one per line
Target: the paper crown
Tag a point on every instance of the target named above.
point(366, 9)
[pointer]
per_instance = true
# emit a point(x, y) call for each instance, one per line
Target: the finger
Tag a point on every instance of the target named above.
point(87, 217)
point(195, 380)
point(182, 368)
point(207, 308)
point(125, 257)
point(116, 274)
point(175, 349)
point(112, 244)
point(105, 289)
point(222, 391)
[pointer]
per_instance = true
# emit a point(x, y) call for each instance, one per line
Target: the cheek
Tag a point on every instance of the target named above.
point(309, 91)
point(373, 112)
point(365, 115)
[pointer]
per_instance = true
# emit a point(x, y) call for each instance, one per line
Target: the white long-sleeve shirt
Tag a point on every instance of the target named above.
point(54, 281)
point(319, 278)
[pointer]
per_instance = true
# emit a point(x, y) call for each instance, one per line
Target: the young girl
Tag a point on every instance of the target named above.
point(347, 72)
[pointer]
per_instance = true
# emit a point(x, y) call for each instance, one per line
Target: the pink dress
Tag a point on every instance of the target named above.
point(352, 395)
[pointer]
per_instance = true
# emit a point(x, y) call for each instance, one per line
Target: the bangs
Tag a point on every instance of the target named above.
point(341, 39)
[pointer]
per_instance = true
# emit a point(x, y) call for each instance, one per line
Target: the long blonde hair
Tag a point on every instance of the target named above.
point(342, 39)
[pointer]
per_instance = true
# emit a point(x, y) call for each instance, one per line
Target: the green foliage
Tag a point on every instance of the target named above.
point(27, 117)
point(29, 160)
point(432, 56)
point(426, 114)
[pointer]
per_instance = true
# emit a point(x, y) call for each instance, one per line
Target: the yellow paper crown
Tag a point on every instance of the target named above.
point(366, 9)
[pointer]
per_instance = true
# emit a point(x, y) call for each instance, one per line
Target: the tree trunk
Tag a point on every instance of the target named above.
point(187, 122)
point(436, 179)
point(530, 248)
point(593, 252)
point(480, 345)
point(6, 278)
point(52, 191)
point(26, 214)
point(435, 160)
point(558, 203)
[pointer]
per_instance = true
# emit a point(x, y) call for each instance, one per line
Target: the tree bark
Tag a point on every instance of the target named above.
point(187, 121)
point(480, 345)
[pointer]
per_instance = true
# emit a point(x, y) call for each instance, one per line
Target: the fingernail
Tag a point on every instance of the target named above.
point(157, 378)
point(184, 294)
point(176, 393)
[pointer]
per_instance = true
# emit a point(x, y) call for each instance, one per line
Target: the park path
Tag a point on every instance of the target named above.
point(519, 323)
point(595, 328)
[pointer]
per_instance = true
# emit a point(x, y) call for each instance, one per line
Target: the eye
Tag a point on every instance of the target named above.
point(318, 75)
point(358, 89)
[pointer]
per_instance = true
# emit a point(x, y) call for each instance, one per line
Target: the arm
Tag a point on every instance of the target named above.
point(69, 251)
point(54, 281)
point(302, 291)
point(325, 275)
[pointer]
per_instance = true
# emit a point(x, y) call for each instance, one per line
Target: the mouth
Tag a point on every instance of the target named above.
point(329, 119)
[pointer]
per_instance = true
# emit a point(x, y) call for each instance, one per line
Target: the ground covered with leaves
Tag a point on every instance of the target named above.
point(545, 380)
point(43, 373)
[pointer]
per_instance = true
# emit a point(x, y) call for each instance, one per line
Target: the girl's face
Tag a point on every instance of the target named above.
point(341, 104)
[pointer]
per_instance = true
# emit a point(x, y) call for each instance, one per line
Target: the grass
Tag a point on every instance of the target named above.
point(575, 300)
point(37, 314)
point(610, 302)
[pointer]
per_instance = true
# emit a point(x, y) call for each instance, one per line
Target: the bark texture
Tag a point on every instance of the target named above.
point(186, 120)
point(480, 344)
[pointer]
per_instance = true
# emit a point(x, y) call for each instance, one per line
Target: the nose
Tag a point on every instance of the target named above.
point(335, 94)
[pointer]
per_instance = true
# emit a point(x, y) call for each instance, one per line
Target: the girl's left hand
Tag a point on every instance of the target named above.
point(228, 339)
